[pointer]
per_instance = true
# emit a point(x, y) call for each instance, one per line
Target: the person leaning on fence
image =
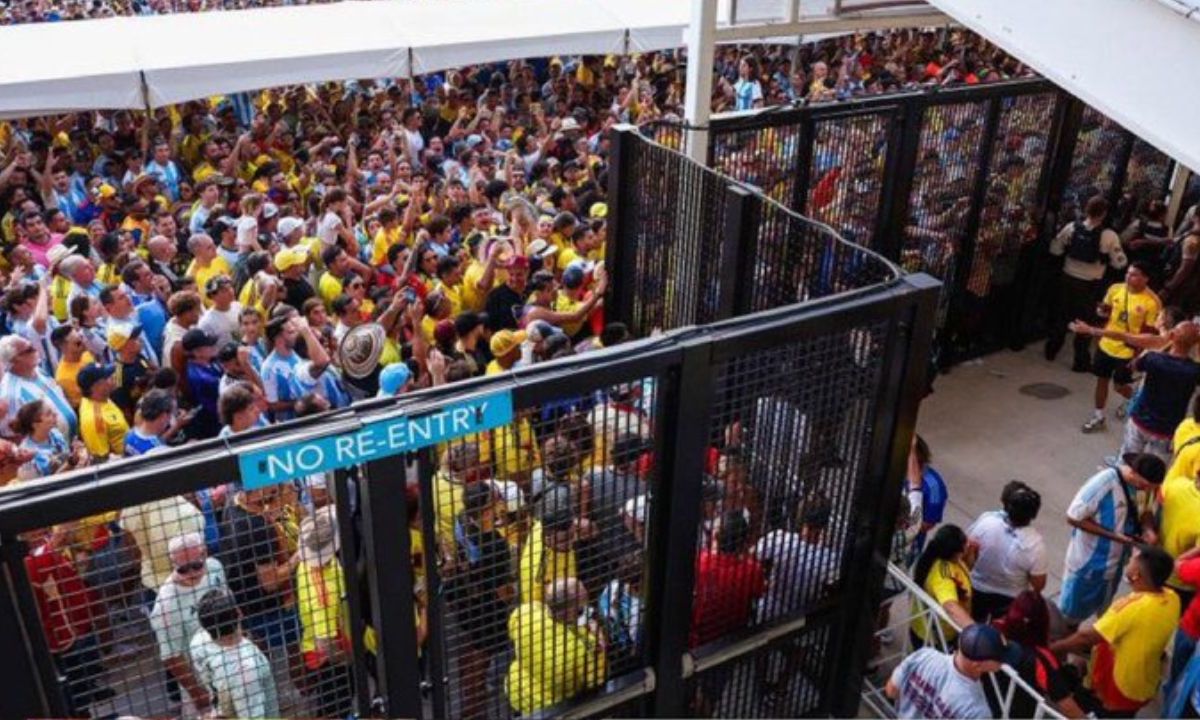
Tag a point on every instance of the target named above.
point(932, 684)
point(1127, 642)
point(174, 618)
point(1026, 625)
point(942, 572)
point(320, 595)
point(229, 663)
point(555, 655)
point(1010, 554)
point(1105, 520)
point(1089, 248)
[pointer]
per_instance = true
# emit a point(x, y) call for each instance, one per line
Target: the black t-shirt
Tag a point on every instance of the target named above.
point(297, 291)
point(503, 307)
point(131, 381)
point(247, 541)
point(1166, 392)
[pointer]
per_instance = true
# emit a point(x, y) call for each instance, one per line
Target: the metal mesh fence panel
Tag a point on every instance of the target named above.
point(1007, 221)
point(765, 157)
point(678, 210)
point(845, 184)
point(785, 466)
point(797, 260)
point(1146, 177)
point(1094, 162)
point(221, 601)
point(787, 678)
point(950, 149)
point(540, 532)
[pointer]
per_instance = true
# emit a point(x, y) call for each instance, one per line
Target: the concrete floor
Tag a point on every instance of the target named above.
point(984, 432)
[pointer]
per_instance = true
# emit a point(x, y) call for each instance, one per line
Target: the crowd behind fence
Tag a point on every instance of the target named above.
point(521, 570)
point(967, 184)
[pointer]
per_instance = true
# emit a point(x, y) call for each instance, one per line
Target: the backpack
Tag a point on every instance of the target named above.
point(1084, 246)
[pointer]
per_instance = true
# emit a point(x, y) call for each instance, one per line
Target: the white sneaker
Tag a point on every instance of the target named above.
point(1095, 424)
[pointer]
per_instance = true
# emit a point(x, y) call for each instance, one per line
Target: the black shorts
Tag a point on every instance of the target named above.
point(1106, 366)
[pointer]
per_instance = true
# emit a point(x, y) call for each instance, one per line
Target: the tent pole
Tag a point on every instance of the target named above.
point(149, 110)
point(701, 42)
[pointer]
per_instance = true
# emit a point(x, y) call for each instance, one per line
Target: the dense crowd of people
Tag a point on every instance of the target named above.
point(235, 262)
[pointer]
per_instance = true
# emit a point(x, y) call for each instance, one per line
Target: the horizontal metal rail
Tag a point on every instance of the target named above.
point(934, 615)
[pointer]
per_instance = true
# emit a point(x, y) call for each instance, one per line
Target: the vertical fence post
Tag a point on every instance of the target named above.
point(390, 582)
point(742, 224)
point(804, 154)
point(904, 144)
point(351, 552)
point(1040, 280)
point(966, 254)
point(32, 686)
point(621, 249)
point(1124, 155)
point(902, 386)
point(685, 406)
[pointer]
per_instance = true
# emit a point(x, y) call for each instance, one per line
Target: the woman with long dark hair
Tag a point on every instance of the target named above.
point(942, 572)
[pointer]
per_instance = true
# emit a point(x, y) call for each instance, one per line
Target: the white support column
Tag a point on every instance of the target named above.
point(700, 39)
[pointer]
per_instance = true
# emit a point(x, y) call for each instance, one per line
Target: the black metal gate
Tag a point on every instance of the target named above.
point(967, 184)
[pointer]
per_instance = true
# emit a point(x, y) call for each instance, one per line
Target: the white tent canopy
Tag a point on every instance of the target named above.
point(1129, 59)
point(128, 62)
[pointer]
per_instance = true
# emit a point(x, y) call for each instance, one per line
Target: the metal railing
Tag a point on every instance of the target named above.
point(1006, 686)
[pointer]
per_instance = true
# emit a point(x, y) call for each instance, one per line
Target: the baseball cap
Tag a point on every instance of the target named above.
point(287, 225)
point(983, 643)
point(106, 191)
point(598, 210)
point(505, 341)
point(572, 277)
point(91, 374)
point(1150, 467)
point(119, 334)
point(197, 338)
point(290, 257)
point(541, 249)
point(393, 378)
point(269, 210)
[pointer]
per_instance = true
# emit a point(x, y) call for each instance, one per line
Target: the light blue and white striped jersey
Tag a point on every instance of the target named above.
point(46, 351)
point(1103, 500)
point(279, 381)
point(17, 391)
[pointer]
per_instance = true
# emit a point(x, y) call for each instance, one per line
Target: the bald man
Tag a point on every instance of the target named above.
point(162, 251)
point(554, 659)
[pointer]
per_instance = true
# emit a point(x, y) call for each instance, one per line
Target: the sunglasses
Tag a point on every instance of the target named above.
point(189, 568)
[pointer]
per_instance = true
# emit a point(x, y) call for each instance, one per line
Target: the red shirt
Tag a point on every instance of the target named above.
point(64, 602)
point(1189, 572)
point(726, 585)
